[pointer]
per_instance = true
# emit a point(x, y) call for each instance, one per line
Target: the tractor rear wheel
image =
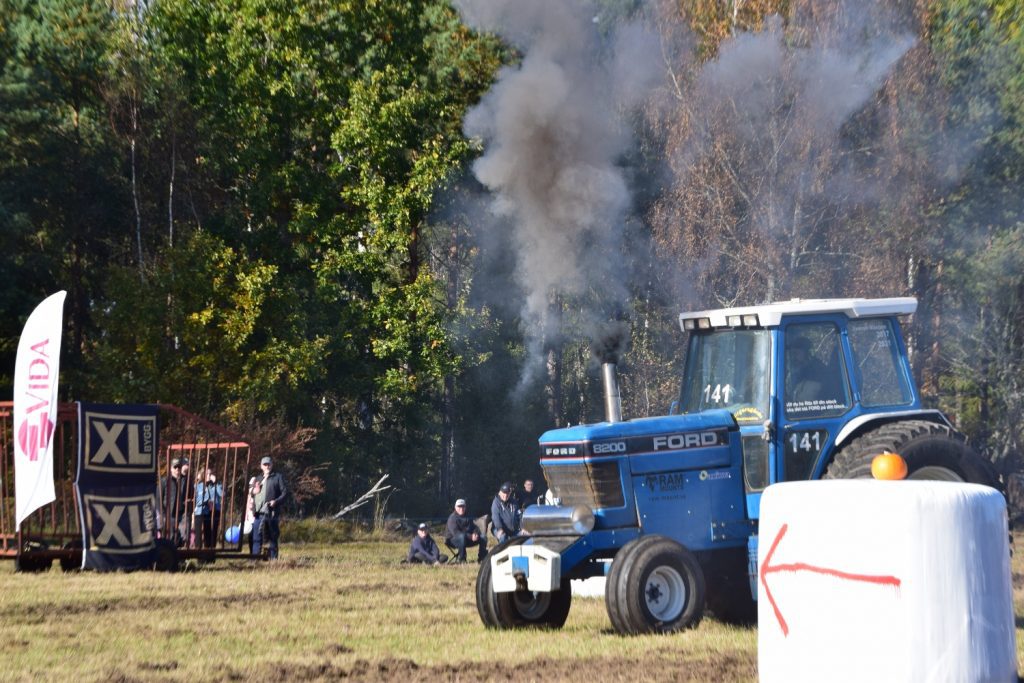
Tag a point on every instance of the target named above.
point(930, 449)
point(658, 587)
point(728, 588)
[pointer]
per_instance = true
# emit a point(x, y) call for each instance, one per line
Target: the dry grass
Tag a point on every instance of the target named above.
point(326, 612)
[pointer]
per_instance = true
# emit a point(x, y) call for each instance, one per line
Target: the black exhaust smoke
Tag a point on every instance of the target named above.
point(610, 343)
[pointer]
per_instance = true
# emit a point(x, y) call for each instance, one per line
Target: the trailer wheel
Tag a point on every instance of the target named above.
point(931, 450)
point(659, 588)
point(165, 557)
point(28, 562)
point(534, 609)
point(486, 598)
point(73, 563)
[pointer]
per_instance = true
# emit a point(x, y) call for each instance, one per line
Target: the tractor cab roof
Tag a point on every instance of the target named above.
point(769, 315)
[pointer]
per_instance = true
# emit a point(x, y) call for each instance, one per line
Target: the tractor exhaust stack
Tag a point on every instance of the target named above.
point(612, 397)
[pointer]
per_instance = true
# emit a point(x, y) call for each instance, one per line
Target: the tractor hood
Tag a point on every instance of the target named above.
point(645, 434)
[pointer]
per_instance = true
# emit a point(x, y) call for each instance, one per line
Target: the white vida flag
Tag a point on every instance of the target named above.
point(35, 406)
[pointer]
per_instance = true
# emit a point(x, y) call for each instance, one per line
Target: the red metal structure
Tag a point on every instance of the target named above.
point(54, 531)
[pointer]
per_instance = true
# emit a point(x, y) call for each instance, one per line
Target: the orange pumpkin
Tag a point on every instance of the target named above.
point(888, 467)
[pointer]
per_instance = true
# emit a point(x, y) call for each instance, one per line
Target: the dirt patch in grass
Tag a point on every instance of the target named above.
point(656, 667)
point(44, 611)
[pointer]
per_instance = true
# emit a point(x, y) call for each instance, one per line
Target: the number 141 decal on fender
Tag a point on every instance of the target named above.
point(802, 448)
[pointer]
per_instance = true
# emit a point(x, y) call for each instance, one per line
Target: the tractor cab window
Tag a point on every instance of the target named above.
point(815, 379)
point(877, 364)
point(728, 369)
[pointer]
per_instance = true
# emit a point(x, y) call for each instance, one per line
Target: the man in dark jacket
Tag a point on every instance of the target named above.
point(423, 549)
point(461, 533)
point(528, 496)
point(504, 514)
point(172, 503)
point(267, 508)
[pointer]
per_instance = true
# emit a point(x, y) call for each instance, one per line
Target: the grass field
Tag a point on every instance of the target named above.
point(347, 610)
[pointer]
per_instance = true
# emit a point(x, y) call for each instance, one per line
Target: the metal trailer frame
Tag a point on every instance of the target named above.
point(54, 531)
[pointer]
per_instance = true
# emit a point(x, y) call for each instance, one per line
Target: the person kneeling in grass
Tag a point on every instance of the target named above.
point(423, 549)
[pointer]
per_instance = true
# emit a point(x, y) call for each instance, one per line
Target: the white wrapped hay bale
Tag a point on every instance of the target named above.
point(865, 580)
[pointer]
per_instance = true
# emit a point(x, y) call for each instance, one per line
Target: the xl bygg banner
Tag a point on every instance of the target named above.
point(36, 369)
point(117, 453)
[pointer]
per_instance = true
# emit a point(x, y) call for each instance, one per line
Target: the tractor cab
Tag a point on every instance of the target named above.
point(799, 377)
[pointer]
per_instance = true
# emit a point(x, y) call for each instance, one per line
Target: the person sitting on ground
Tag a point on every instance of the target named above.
point(462, 533)
point(504, 514)
point(423, 549)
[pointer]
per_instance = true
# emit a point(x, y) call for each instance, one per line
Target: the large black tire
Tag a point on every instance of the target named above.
point(166, 557)
point(487, 599)
point(657, 588)
point(931, 451)
point(611, 593)
point(529, 609)
point(728, 588)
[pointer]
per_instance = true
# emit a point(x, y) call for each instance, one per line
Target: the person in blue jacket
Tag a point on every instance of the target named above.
point(505, 514)
point(209, 496)
point(423, 549)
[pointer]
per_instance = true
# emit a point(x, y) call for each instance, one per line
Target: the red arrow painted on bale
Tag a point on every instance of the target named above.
point(768, 568)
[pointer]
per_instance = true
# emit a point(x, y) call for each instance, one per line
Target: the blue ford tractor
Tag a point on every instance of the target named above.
point(667, 507)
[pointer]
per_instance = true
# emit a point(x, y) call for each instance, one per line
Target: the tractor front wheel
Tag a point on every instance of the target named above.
point(524, 609)
point(930, 449)
point(657, 587)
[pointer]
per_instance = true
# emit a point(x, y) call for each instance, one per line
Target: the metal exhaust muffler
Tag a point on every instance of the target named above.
point(612, 397)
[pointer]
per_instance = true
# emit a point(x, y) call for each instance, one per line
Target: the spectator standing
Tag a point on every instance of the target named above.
point(209, 495)
point(423, 549)
point(187, 500)
point(266, 528)
point(461, 533)
point(250, 509)
point(172, 503)
point(504, 514)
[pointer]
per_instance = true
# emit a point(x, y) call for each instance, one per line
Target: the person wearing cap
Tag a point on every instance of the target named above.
point(505, 514)
point(423, 549)
point(461, 533)
point(266, 527)
point(172, 503)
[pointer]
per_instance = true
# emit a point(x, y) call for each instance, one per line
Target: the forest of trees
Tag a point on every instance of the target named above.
point(381, 236)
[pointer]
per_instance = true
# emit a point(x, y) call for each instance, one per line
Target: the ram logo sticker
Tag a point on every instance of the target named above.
point(665, 482)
